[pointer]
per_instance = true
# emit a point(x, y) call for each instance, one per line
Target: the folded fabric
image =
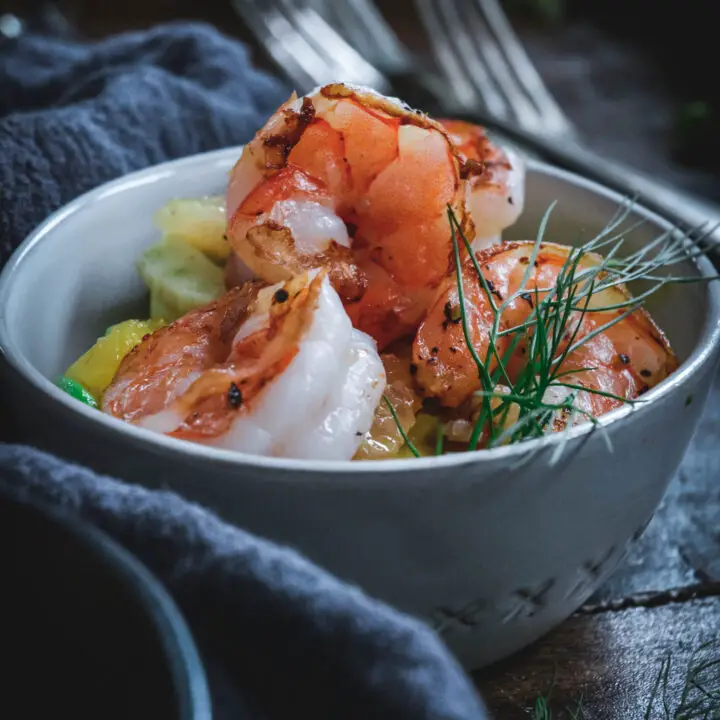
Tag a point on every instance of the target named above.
point(280, 633)
point(279, 636)
point(73, 116)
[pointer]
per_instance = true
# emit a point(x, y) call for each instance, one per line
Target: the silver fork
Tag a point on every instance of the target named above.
point(365, 28)
point(484, 60)
point(484, 65)
point(306, 39)
point(306, 47)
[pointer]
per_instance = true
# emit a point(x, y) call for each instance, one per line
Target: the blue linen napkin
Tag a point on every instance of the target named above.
point(279, 635)
point(73, 116)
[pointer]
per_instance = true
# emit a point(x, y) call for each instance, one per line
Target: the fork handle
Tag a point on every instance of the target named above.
point(682, 209)
point(679, 207)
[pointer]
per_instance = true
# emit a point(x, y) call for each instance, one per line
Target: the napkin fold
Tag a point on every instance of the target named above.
point(280, 637)
point(73, 116)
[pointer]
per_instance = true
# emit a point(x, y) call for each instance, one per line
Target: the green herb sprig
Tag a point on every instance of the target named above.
point(543, 333)
point(552, 330)
point(699, 698)
point(403, 434)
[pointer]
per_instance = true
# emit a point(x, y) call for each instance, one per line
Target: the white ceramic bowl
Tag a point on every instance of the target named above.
point(492, 548)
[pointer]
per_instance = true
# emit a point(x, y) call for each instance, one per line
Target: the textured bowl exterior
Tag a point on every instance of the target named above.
point(492, 549)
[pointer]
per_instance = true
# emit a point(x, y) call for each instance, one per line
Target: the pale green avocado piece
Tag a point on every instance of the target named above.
point(180, 278)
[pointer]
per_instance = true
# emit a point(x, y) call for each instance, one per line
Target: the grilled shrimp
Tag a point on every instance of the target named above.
point(624, 360)
point(495, 184)
point(242, 374)
point(357, 183)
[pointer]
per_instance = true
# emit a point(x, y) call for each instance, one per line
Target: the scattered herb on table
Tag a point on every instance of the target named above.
point(699, 698)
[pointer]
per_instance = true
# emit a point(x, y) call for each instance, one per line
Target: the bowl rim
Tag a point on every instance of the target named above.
point(704, 350)
point(173, 634)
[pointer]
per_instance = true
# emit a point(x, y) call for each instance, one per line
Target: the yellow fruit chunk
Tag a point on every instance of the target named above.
point(199, 222)
point(423, 435)
point(97, 367)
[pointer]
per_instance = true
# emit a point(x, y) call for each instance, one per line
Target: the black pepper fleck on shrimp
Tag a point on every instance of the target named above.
point(276, 370)
point(598, 348)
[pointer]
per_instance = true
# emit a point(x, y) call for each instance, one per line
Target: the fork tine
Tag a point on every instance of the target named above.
point(347, 64)
point(464, 90)
point(304, 46)
point(486, 67)
point(368, 31)
point(522, 66)
point(455, 49)
point(487, 49)
point(286, 46)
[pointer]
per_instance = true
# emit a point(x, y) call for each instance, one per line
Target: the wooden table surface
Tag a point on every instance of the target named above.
point(664, 600)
